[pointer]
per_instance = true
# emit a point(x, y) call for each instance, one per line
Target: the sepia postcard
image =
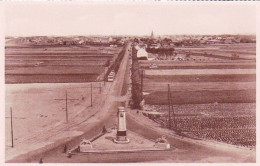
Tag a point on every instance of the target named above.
point(129, 82)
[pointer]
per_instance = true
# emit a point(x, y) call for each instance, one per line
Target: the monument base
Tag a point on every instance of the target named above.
point(121, 140)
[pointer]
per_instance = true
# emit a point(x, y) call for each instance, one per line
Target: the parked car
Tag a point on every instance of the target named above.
point(110, 78)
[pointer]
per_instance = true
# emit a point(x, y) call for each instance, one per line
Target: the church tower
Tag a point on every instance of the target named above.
point(152, 35)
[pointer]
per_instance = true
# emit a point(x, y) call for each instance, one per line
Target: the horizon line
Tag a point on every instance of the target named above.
point(131, 35)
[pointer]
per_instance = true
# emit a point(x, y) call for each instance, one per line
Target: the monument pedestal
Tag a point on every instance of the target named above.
point(121, 137)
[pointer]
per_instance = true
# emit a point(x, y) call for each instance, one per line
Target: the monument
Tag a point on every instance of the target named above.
point(121, 137)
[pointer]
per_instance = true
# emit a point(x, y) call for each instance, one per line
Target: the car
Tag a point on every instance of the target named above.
point(110, 78)
point(112, 72)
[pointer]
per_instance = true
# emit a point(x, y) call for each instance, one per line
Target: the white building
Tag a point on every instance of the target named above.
point(142, 53)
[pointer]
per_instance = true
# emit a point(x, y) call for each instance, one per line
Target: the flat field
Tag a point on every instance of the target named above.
point(200, 72)
point(167, 64)
point(243, 50)
point(196, 86)
point(56, 64)
point(213, 98)
point(220, 80)
point(233, 123)
point(36, 109)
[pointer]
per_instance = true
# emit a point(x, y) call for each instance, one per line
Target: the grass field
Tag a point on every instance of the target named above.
point(243, 50)
point(197, 86)
point(203, 96)
point(47, 78)
point(54, 64)
point(16, 49)
point(55, 70)
point(28, 63)
point(202, 78)
point(199, 72)
point(212, 98)
point(200, 86)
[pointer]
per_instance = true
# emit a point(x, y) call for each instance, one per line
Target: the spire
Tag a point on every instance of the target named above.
point(152, 35)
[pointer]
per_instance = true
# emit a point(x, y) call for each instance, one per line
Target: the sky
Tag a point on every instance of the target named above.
point(59, 19)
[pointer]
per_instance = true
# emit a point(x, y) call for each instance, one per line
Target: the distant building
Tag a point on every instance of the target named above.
point(214, 41)
point(142, 54)
point(137, 47)
point(203, 41)
point(81, 41)
point(237, 40)
point(228, 41)
point(156, 45)
point(110, 39)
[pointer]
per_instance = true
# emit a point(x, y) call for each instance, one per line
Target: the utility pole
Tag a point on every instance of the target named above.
point(12, 128)
point(171, 108)
point(142, 80)
point(173, 113)
point(66, 99)
point(91, 91)
point(91, 94)
point(12, 132)
point(169, 102)
point(100, 87)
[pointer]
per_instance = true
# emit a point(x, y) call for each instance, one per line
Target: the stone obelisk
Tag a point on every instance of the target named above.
point(121, 136)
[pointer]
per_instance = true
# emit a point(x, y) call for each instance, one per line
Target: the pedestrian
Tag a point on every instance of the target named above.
point(65, 148)
point(69, 154)
point(104, 130)
point(41, 161)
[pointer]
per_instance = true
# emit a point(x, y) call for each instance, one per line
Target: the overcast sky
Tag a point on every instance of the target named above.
point(127, 19)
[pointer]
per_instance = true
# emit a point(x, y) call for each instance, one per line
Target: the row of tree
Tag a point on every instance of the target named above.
point(136, 81)
point(116, 64)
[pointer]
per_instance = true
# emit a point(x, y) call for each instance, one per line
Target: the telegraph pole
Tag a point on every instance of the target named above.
point(91, 91)
point(12, 132)
point(171, 109)
point(12, 128)
point(169, 102)
point(100, 87)
point(66, 108)
point(67, 118)
point(91, 94)
point(142, 80)
point(174, 118)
